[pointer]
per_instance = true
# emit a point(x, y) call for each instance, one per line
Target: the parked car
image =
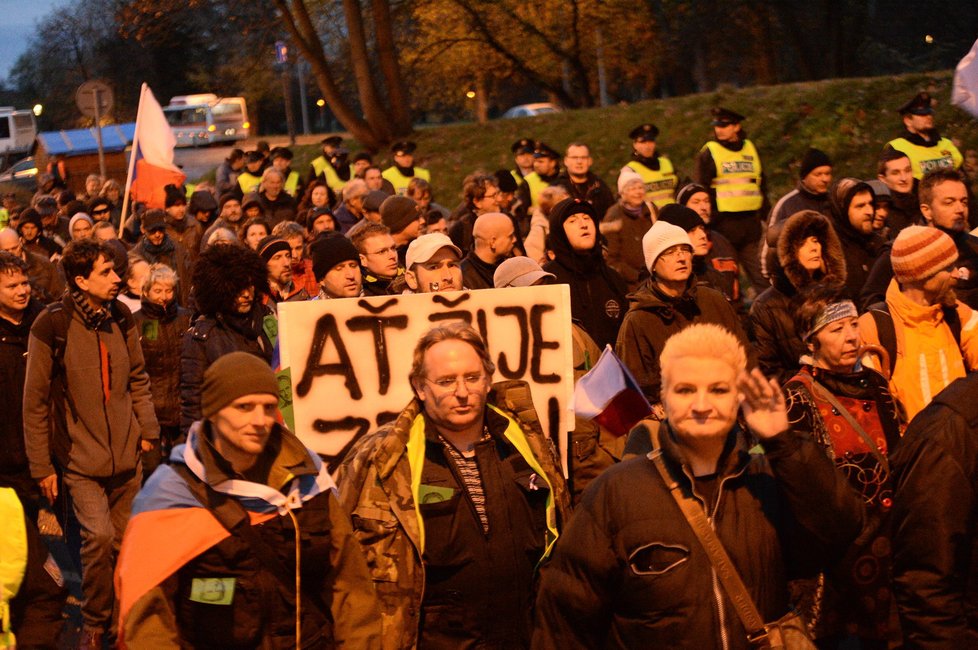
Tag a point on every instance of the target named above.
point(529, 110)
point(23, 174)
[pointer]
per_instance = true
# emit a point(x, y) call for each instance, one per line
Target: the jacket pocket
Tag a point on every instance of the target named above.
point(657, 559)
point(377, 530)
point(222, 611)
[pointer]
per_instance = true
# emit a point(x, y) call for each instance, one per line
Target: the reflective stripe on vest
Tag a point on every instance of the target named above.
point(660, 185)
point(537, 185)
point(400, 181)
point(738, 177)
point(13, 559)
point(292, 184)
point(923, 160)
point(248, 182)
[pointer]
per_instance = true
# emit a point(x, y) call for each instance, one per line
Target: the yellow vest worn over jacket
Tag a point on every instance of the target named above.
point(923, 160)
point(537, 185)
point(13, 560)
point(321, 167)
point(928, 358)
point(292, 184)
point(738, 179)
point(660, 184)
point(400, 181)
point(248, 182)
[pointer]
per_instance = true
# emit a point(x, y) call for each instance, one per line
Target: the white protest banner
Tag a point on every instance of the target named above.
point(349, 359)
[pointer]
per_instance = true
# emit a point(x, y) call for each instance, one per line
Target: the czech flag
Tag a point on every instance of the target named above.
point(609, 395)
point(151, 166)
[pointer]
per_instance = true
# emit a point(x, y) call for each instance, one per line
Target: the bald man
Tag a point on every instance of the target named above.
point(47, 284)
point(493, 238)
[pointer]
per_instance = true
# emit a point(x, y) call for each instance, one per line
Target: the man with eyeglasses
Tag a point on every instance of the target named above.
point(668, 302)
point(378, 257)
point(583, 184)
point(457, 502)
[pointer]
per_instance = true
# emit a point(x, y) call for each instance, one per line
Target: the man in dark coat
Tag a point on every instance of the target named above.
point(853, 206)
point(583, 184)
point(493, 238)
point(935, 507)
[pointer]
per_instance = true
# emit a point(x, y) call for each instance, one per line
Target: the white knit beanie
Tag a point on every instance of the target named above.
point(661, 236)
point(626, 176)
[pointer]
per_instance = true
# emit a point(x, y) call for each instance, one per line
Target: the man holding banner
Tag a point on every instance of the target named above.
point(465, 480)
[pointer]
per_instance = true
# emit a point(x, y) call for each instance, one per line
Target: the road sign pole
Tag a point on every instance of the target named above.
point(98, 133)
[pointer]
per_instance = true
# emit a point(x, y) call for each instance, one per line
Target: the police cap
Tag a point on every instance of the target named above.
point(523, 145)
point(253, 157)
point(724, 116)
point(543, 150)
point(332, 141)
point(919, 105)
point(403, 147)
point(644, 133)
point(281, 152)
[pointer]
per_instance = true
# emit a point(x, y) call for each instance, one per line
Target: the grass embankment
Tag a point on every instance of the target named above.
point(850, 119)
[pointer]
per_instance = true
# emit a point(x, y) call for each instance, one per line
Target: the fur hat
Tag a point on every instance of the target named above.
point(222, 272)
point(794, 231)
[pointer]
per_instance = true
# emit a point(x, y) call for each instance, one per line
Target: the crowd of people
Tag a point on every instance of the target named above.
point(807, 464)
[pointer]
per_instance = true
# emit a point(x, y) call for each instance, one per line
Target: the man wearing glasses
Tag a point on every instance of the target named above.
point(456, 502)
point(670, 301)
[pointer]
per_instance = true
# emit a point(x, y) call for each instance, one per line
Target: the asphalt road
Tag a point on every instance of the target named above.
point(198, 161)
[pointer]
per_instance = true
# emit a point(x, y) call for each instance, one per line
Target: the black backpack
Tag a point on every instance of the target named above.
point(887, 332)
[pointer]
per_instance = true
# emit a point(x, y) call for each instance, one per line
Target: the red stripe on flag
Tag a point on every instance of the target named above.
point(623, 412)
point(149, 181)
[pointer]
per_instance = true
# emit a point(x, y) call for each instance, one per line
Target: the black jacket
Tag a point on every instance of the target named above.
point(161, 333)
point(935, 510)
point(477, 274)
point(593, 190)
point(597, 295)
point(211, 337)
point(13, 368)
point(652, 318)
point(628, 571)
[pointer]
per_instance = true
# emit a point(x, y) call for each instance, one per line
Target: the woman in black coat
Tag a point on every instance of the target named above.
point(597, 290)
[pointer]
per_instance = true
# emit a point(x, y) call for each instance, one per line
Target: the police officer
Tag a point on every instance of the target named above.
point(730, 166)
point(546, 169)
point(925, 147)
point(282, 161)
point(655, 169)
point(523, 157)
point(331, 167)
point(403, 170)
point(250, 177)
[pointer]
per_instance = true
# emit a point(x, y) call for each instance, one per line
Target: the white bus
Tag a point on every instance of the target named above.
point(206, 118)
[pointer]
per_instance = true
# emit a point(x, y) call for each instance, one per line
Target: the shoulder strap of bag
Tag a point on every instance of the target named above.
point(827, 395)
point(885, 330)
point(722, 564)
point(235, 519)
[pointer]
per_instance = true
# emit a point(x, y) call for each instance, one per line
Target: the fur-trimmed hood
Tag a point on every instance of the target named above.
point(222, 272)
point(796, 230)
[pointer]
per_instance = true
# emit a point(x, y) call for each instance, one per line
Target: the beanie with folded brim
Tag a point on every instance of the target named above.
point(233, 376)
point(920, 252)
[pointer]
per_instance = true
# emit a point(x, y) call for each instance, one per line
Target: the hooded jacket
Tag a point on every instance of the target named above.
point(928, 358)
point(105, 407)
point(790, 204)
point(770, 323)
point(653, 317)
point(860, 251)
point(630, 573)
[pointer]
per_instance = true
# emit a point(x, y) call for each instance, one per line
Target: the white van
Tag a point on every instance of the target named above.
point(206, 118)
point(17, 130)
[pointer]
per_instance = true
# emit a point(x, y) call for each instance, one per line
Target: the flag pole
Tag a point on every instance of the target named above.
point(132, 162)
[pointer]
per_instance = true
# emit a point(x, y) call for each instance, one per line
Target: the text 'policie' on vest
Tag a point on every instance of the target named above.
point(738, 177)
point(660, 184)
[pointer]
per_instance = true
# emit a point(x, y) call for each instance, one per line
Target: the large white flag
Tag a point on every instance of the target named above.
point(151, 167)
point(965, 92)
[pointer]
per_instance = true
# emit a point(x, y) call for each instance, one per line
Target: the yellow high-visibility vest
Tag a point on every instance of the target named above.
point(537, 185)
point(738, 179)
point(248, 182)
point(13, 559)
point(400, 181)
point(292, 184)
point(940, 155)
point(660, 185)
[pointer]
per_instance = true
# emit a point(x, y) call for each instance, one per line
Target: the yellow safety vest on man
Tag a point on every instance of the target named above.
point(923, 160)
point(248, 182)
point(660, 184)
point(400, 181)
point(537, 185)
point(13, 560)
point(292, 184)
point(738, 179)
point(517, 176)
point(322, 167)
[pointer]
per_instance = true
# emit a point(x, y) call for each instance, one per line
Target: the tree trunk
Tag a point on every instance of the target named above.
point(481, 98)
point(390, 67)
point(297, 23)
point(373, 108)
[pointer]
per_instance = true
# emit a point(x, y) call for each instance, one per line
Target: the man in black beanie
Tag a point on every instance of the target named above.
point(336, 265)
point(400, 214)
point(812, 193)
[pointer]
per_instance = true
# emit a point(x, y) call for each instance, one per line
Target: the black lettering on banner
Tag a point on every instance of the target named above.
point(503, 362)
point(326, 329)
point(379, 309)
point(440, 299)
point(480, 319)
point(378, 327)
point(553, 413)
point(362, 426)
point(451, 315)
point(539, 345)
